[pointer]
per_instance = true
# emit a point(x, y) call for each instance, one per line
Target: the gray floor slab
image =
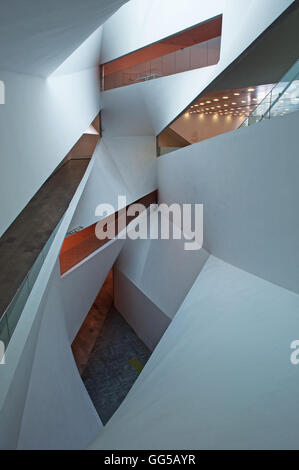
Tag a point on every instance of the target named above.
point(25, 238)
point(109, 374)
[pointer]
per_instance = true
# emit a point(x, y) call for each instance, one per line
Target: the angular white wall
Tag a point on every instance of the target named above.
point(221, 377)
point(123, 166)
point(152, 278)
point(43, 118)
point(163, 99)
point(247, 182)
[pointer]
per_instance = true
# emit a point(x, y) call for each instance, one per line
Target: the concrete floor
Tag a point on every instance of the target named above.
point(86, 338)
point(113, 365)
point(23, 241)
point(108, 353)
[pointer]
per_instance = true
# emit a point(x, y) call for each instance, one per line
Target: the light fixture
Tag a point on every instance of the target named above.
point(251, 89)
point(236, 94)
point(234, 103)
point(225, 97)
point(226, 105)
point(201, 104)
point(208, 102)
point(215, 99)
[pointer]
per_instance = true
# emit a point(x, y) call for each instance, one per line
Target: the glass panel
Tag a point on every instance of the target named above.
point(282, 100)
point(17, 305)
point(12, 314)
point(199, 55)
point(187, 50)
point(4, 333)
point(213, 51)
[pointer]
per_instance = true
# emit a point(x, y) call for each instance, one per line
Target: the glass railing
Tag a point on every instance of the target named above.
point(283, 99)
point(188, 58)
point(10, 318)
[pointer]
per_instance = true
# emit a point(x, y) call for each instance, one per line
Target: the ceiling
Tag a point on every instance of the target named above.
point(235, 102)
point(37, 36)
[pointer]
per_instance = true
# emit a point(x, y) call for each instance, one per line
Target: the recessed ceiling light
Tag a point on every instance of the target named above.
point(226, 105)
point(215, 99)
point(212, 107)
point(243, 101)
point(225, 97)
point(234, 103)
point(201, 104)
point(196, 105)
point(208, 102)
point(251, 89)
point(254, 99)
point(236, 94)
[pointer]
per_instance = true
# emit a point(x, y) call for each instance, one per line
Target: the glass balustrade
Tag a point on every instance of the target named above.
point(11, 316)
point(283, 99)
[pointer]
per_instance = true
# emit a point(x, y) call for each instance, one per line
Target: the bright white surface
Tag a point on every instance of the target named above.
point(161, 269)
point(221, 377)
point(124, 166)
point(168, 17)
point(247, 181)
point(35, 39)
point(43, 402)
point(54, 114)
point(144, 317)
point(58, 413)
point(149, 285)
point(81, 285)
point(86, 56)
point(158, 102)
point(51, 114)
point(21, 349)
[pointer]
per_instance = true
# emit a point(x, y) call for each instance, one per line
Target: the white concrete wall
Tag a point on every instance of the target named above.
point(43, 402)
point(124, 166)
point(15, 376)
point(154, 106)
point(247, 182)
point(58, 412)
point(81, 284)
point(221, 377)
point(43, 118)
point(152, 278)
point(39, 124)
point(147, 320)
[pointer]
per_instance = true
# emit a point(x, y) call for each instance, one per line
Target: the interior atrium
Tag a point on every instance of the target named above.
point(149, 230)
